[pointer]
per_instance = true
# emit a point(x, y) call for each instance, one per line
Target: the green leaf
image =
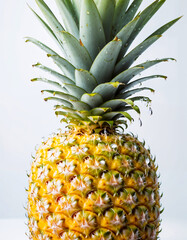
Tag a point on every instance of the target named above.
point(128, 74)
point(117, 114)
point(95, 119)
point(124, 35)
point(127, 16)
point(67, 17)
point(127, 108)
point(106, 10)
point(74, 90)
point(165, 27)
point(66, 67)
point(68, 115)
point(100, 111)
point(107, 90)
point(60, 100)
point(46, 27)
point(62, 95)
point(91, 28)
point(85, 80)
point(103, 66)
point(80, 105)
point(130, 58)
point(77, 54)
point(60, 77)
point(104, 124)
point(131, 92)
point(92, 99)
point(82, 114)
point(77, 7)
point(120, 9)
point(57, 107)
point(40, 45)
point(53, 83)
point(114, 104)
point(141, 98)
point(145, 16)
point(71, 8)
point(50, 17)
point(140, 80)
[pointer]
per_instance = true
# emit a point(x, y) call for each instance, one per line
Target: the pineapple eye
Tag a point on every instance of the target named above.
point(103, 195)
point(120, 213)
point(90, 193)
point(73, 177)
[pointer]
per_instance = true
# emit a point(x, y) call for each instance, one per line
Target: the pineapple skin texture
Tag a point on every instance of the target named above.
point(86, 185)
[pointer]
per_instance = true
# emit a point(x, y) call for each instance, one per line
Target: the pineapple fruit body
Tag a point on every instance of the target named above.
point(93, 182)
point(87, 185)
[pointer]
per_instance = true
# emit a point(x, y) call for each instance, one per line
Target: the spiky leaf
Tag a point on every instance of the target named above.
point(80, 105)
point(131, 92)
point(60, 100)
point(130, 58)
point(77, 54)
point(75, 90)
point(124, 35)
point(112, 115)
point(60, 94)
point(165, 27)
point(120, 10)
point(100, 111)
point(114, 104)
point(128, 74)
point(145, 16)
point(85, 80)
point(92, 99)
point(106, 10)
point(103, 66)
point(107, 90)
point(140, 80)
point(52, 20)
point(66, 67)
point(47, 28)
point(126, 16)
point(67, 17)
point(91, 28)
point(61, 77)
point(53, 83)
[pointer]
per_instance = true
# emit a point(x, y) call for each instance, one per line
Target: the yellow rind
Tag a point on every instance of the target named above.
point(82, 182)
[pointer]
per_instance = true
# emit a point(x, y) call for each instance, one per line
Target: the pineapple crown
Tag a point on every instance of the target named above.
point(97, 82)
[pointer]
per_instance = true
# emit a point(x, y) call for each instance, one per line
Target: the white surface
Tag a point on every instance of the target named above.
point(14, 229)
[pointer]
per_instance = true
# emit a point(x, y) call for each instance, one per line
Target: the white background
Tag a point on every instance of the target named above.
point(26, 118)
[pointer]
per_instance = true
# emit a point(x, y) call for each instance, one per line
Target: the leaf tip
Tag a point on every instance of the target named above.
point(33, 80)
point(37, 64)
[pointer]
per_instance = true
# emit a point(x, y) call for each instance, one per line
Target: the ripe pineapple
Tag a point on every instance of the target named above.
point(94, 181)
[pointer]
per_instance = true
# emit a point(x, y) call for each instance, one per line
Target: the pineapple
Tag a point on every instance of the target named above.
point(95, 181)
